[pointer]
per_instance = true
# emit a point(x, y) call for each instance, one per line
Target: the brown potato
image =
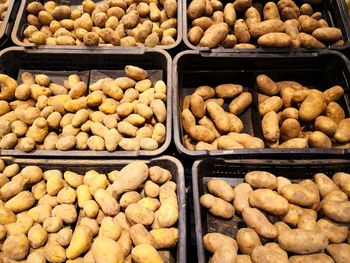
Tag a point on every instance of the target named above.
point(221, 189)
point(324, 184)
point(342, 133)
point(269, 201)
point(214, 35)
point(317, 258)
point(241, 193)
point(266, 85)
point(290, 129)
point(339, 252)
point(327, 34)
point(337, 210)
point(267, 26)
point(308, 41)
point(336, 233)
point(271, 11)
point(335, 112)
point(257, 221)
point(325, 125)
point(318, 139)
point(241, 31)
point(342, 181)
point(301, 241)
point(270, 127)
point(201, 133)
point(217, 206)
point(247, 240)
point(197, 105)
point(333, 94)
point(230, 14)
point(312, 106)
point(196, 9)
point(265, 254)
point(214, 241)
point(195, 34)
point(275, 40)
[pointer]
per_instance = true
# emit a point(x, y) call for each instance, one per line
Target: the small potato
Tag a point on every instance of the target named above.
point(257, 221)
point(37, 236)
point(197, 105)
point(227, 91)
point(64, 236)
point(240, 103)
point(214, 241)
point(217, 206)
point(270, 127)
point(290, 129)
point(138, 214)
point(66, 212)
point(269, 201)
point(333, 94)
point(221, 189)
point(16, 247)
point(335, 112)
point(318, 139)
point(326, 125)
point(247, 240)
point(53, 224)
point(129, 198)
point(160, 242)
point(337, 210)
point(301, 241)
point(135, 73)
point(274, 103)
point(342, 133)
point(271, 11)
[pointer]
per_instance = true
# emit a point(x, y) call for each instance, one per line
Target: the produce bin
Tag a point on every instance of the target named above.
point(155, 61)
point(233, 171)
point(194, 68)
point(21, 21)
point(332, 10)
point(7, 24)
point(106, 166)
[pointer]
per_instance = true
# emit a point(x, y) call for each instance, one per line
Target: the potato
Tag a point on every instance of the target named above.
point(21, 202)
point(266, 254)
point(260, 179)
point(269, 201)
point(140, 235)
point(342, 181)
point(290, 129)
point(257, 221)
point(247, 240)
point(320, 257)
point(214, 241)
point(299, 195)
point(105, 249)
point(335, 112)
point(241, 199)
point(214, 35)
point(227, 91)
point(54, 252)
point(139, 214)
point(327, 34)
point(66, 212)
point(16, 247)
point(64, 236)
point(145, 253)
point(324, 184)
point(221, 189)
point(325, 125)
point(301, 241)
point(341, 134)
point(53, 224)
point(308, 41)
point(240, 103)
point(227, 142)
point(129, 198)
point(271, 11)
point(196, 9)
point(241, 31)
point(270, 127)
point(337, 210)
point(333, 94)
point(80, 243)
point(339, 252)
point(275, 40)
point(318, 139)
point(336, 233)
point(40, 213)
point(267, 26)
point(37, 236)
point(219, 117)
point(312, 106)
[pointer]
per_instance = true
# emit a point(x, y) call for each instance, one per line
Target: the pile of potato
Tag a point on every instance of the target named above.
point(4, 4)
point(209, 127)
point(55, 216)
point(110, 22)
point(125, 113)
point(305, 221)
point(244, 24)
point(294, 116)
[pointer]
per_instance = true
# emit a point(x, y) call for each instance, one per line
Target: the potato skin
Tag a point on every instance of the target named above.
point(317, 258)
point(337, 210)
point(336, 233)
point(217, 206)
point(298, 194)
point(214, 35)
point(301, 241)
point(247, 240)
point(311, 107)
point(261, 179)
point(333, 94)
point(342, 133)
point(257, 221)
point(339, 252)
point(275, 40)
point(201, 133)
point(318, 139)
point(270, 127)
point(239, 104)
point(241, 200)
point(325, 125)
point(265, 254)
point(268, 26)
point(266, 85)
point(214, 241)
point(269, 201)
point(327, 34)
point(221, 189)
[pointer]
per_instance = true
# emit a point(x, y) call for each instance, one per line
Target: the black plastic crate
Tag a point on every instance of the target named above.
point(21, 23)
point(194, 68)
point(7, 24)
point(233, 171)
point(332, 10)
point(105, 166)
point(15, 59)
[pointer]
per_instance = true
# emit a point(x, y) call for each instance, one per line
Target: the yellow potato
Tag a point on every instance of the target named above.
point(265, 254)
point(217, 206)
point(241, 199)
point(339, 252)
point(257, 221)
point(221, 189)
point(247, 240)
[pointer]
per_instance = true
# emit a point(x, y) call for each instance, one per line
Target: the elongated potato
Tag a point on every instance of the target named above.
point(317, 258)
point(261, 179)
point(324, 184)
point(342, 133)
point(342, 181)
point(241, 193)
point(217, 206)
point(269, 201)
point(214, 35)
point(338, 211)
point(339, 252)
point(312, 106)
point(258, 221)
point(275, 40)
point(214, 241)
point(299, 195)
point(221, 189)
point(301, 241)
point(240, 103)
point(247, 240)
point(274, 103)
point(265, 254)
point(335, 232)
